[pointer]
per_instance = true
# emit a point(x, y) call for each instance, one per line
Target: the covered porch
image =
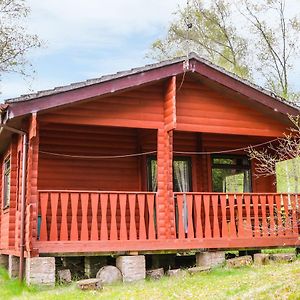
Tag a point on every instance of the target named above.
point(114, 203)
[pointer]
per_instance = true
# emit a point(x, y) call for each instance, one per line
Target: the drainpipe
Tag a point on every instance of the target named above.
point(23, 195)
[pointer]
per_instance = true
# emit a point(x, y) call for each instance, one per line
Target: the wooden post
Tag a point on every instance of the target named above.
point(165, 200)
point(32, 176)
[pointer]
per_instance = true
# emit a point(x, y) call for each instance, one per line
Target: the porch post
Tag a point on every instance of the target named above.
point(165, 201)
point(32, 177)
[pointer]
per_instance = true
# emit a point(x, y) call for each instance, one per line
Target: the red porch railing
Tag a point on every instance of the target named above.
point(93, 216)
point(237, 216)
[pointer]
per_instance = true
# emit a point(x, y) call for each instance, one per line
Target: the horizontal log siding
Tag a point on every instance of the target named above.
point(73, 173)
point(201, 108)
point(141, 108)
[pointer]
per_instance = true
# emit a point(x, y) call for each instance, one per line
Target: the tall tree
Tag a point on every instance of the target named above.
point(15, 42)
point(253, 39)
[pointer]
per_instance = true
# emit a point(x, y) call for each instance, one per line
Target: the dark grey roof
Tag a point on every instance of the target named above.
point(148, 67)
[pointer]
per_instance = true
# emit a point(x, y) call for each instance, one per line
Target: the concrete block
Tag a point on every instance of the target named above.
point(239, 261)
point(92, 264)
point(261, 259)
point(90, 284)
point(133, 268)
point(4, 261)
point(40, 270)
point(13, 266)
point(210, 259)
point(283, 257)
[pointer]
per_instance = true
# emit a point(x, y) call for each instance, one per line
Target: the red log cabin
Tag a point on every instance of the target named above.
point(150, 159)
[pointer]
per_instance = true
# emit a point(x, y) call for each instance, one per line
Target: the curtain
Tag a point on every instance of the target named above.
point(182, 182)
point(154, 175)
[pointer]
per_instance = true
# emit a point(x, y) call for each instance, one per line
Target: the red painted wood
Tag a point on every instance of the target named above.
point(273, 230)
point(151, 229)
point(257, 231)
point(189, 202)
point(287, 216)
point(123, 227)
point(294, 214)
point(180, 203)
point(280, 231)
point(198, 205)
point(74, 223)
point(104, 204)
point(113, 211)
point(94, 226)
point(207, 226)
point(132, 202)
point(216, 228)
point(53, 225)
point(224, 216)
point(248, 229)
point(142, 227)
point(85, 198)
point(64, 201)
point(44, 199)
point(239, 200)
point(232, 225)
point(265, 231)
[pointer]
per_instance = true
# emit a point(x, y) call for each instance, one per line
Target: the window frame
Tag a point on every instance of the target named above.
point(175, 158)
point(231, 166)
point(6, 181)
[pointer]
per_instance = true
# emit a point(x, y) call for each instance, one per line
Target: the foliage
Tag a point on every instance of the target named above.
point(285, 148)
point(15, 42)
point(249, 38)
point(253, 282)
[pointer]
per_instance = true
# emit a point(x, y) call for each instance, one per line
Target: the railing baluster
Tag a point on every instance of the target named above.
point(123, 226)
point(64, 201)
point(294, 214)
point(74, 223)
point(113, 198)
point(53, 226)
point(94, 226)
point(142, 227)
point(198, 204)
point(151, 229)
point(104, 205)
point(207, 226)
point(239, 200)
point(232, 216)
point(288, 217)
point(280, 229)
point(256, 218)
point(44, 199)
point(271, 214)
point(216, 228)
point(262, 199)
point(132, 232)
point(189, 201)
point(248, 227)
point(181, 234)
point(224, 216)
point(84, 235)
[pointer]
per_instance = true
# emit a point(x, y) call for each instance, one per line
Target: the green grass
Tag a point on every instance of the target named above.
point(274, 281)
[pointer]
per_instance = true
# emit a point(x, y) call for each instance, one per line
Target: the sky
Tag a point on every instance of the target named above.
point(85, 39)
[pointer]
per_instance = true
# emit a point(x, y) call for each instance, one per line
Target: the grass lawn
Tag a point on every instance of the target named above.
point(274, 281)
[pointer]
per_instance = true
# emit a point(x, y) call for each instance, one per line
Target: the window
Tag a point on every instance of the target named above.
point(231, 174)
point(182, 177)
point(6, 183)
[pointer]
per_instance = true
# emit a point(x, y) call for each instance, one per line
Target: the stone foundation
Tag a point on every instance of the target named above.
point(13, 266)
point(133, 268)
point(4, 261)
point(40, 270)
point(210, 259)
